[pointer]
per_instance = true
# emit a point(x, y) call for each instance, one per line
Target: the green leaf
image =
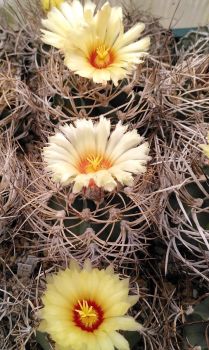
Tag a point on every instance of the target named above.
point(195, 328)
point(132, 337)
point(42, 340)
point(195, 335)
point(202, 309)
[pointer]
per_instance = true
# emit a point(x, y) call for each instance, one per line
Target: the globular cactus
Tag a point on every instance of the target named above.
point(109, 226)
point(187, 221)
point(196, 326)
point(132, 226)
point(96, 224)
point(194, 40)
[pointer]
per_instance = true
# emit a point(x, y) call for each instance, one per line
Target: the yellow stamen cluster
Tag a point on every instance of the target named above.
point(87, 314)
point(94, 162)
point(102, 51)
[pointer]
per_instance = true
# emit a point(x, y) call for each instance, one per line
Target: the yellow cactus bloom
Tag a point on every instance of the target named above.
point(89, 155)
point(95, 45)
point(84, 309)
point(47, 5)
point(205, 148)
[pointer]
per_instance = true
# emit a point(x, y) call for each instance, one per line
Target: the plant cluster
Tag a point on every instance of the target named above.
point(103, 165)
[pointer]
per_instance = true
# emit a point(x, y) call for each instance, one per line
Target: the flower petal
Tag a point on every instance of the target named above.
point(131, 35)
point(124, 177)
point(102, 132)
point(140, 152)
point(80, 33)
point(205, 149)
point(124, 323)
point(128, 140)
point(141, 45)
point(103, 341)
point(119, 341)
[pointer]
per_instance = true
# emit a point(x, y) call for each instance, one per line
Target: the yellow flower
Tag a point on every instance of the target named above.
point(205, 148)
point(65, 22)
point(89, 155)
point(47, 5)
point(83, 309)
point(95, 45)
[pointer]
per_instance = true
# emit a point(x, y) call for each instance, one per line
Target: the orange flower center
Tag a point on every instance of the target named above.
point(102, 57)
point(93, 163)
point(88, 315)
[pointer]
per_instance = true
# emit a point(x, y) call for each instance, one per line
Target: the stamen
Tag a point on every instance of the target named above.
point(102, 52)
point(93, 163)
point(85, 310)
point(87, 315)
point(101, 57)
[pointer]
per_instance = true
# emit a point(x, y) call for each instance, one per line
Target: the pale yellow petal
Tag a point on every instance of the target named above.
point(141, 45)
point(131, 35)
point(57, 23)
point(84, 141)
point(43, 326)
point(51, 298)
point(110, 269)
point(49, 4)
point(70, 14)
point(102, 132)
point(133, 299)
point(89, 8)
point(115, 27)
point(87, 265)
point(133, 166)
point(119, 341)
point(128, 140)
point(124, 323)
point(102, 18)
point(65, 139)
point(205, 149)
point(140, 152)
point(101, 76)
point(77, 9)
point(74, 266)
point(124, 177)
point(104, 179)
point(62, 172)
point(103, 341)
point(115, 137)
point(80, 181)
point(56, 153)
point(118, 309)
point(52, 39)
point(92, 343)
point(79, 65)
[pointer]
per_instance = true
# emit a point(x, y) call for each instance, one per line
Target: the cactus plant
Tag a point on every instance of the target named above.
point(157, 227)
point(196, 326)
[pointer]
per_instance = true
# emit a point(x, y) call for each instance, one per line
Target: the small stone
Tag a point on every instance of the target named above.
point(24, 270)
